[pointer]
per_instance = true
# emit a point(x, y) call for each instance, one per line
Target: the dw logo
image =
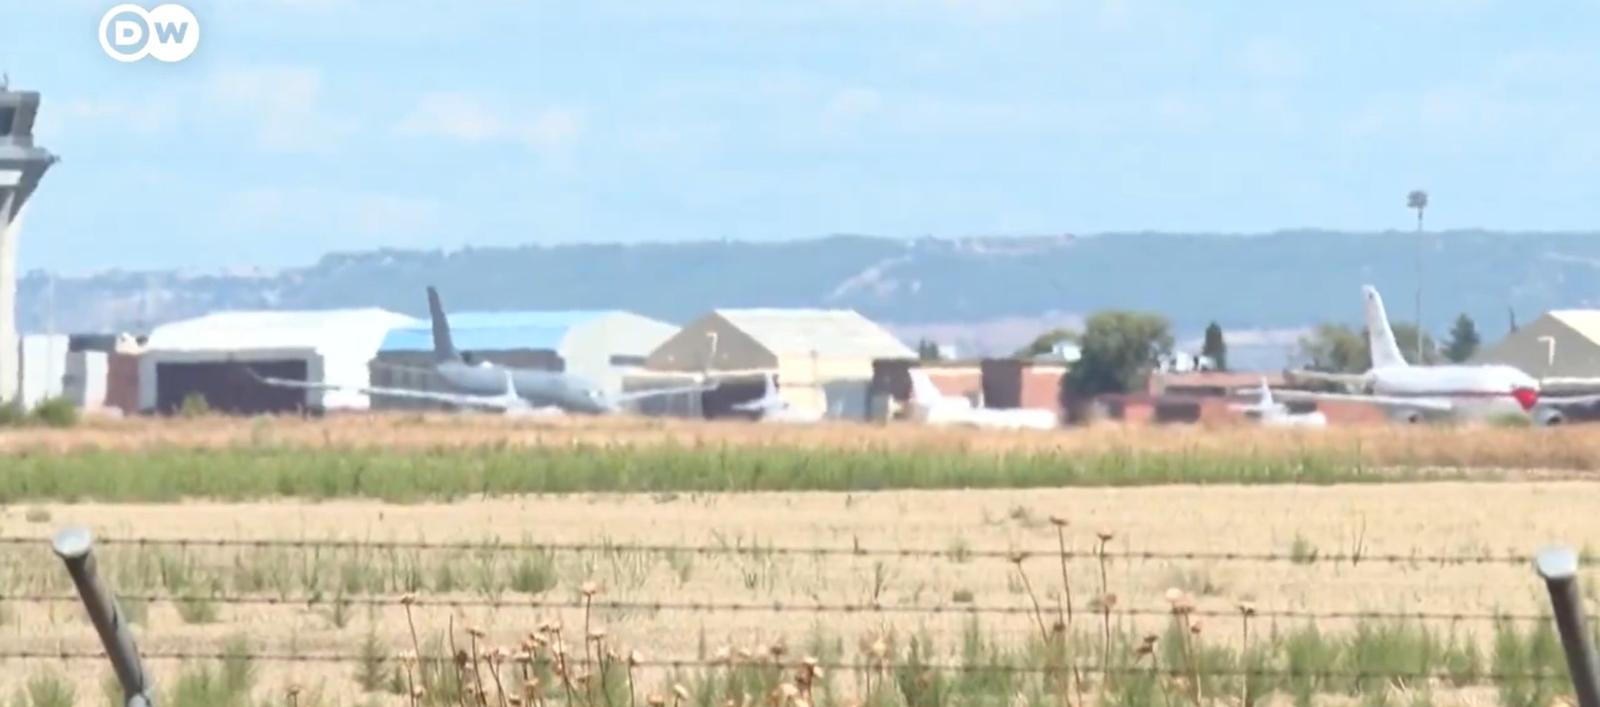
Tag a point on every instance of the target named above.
point(168, 33)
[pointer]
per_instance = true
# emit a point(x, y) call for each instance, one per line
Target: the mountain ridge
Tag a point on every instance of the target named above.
point(1280, 280)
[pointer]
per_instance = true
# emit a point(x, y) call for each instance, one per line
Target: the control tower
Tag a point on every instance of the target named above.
point(22, 165)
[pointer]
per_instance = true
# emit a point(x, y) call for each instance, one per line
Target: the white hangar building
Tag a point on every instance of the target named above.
point(213, 356)
point(822, 357)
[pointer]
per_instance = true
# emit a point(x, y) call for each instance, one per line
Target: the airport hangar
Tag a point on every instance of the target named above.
point(822, 358)
point(1560, 348)
point(212, 356)
point(601, 346)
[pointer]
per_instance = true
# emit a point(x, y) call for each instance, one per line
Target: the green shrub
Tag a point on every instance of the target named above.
point(12, 414)
point(56, 412)
point(49, 690)
point(194, 405)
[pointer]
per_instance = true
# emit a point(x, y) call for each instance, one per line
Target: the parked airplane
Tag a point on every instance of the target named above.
point(509, 401)
point(930, 406)
point(1416, 393)
point(1271, 413)
point(771, 407)
point(483, 379)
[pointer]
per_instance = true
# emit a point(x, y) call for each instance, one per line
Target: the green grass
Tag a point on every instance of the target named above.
point(1299, 665)
point(45, 690)
point(171, 474)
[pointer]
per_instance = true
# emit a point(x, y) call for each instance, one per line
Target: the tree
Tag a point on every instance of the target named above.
point(1463, 340)
point(1336, 348)
point(1215, 348)
point(1046, 342)
point(1406, 331)
point(1118, 349)
point(927, 350)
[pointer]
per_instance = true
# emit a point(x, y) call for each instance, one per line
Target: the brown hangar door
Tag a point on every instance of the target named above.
point(228, 387)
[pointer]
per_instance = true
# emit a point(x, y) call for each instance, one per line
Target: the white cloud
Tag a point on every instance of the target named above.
point(373, 218)
point(145, 115)
point(284, 106)
point(1272, 59)
point(466, 117)
point(849, 105)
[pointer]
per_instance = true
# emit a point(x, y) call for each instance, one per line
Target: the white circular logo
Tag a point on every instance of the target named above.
point(167, 33)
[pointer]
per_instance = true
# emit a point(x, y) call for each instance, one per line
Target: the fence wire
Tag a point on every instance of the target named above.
point(758, 550)
point(779, 607)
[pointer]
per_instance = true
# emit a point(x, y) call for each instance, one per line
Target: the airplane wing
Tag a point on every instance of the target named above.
point(1587, 399)
point(1346, 379)
point(641, 394)
point(1430, 404)
point(482, 401)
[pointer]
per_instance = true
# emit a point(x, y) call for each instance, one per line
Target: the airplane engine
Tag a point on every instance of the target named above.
point(1548, 417)
point(1410, 417)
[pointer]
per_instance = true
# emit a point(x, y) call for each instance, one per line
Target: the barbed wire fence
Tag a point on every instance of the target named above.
point(816, 551)
point(587, 603)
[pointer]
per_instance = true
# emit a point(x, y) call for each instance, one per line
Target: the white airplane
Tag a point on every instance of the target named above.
point(771, 407)
point(1416, 393)
point(1271, 413)
point(509, 402)
point(932, 407)
point(484, 380)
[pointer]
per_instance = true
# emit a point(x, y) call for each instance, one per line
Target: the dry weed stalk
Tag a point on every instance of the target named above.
point(1064, 616)
point(1017, 558)
point(1188, 639)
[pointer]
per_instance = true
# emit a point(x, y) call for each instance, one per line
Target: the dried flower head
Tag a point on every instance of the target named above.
point(1105, 535)
point(590, 589)
point(1247, 608)
point(1058, 521)
point(879, 648)
point(655, 700)
point(1016, 556)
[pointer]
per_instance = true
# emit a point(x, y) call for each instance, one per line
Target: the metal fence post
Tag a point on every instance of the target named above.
point(1559, 568)
point(75, 548)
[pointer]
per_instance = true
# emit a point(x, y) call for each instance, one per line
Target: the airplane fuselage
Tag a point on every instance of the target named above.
point(538, 388)
point(1472, 392)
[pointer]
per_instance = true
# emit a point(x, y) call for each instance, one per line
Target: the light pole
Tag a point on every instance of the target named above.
point(1418, 199)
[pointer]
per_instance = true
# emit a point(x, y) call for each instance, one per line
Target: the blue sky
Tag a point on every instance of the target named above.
point(301, 127)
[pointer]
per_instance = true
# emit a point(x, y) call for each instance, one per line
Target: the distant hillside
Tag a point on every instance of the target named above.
point(1275, 281)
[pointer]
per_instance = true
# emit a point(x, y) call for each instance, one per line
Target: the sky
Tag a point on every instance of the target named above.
point(303, 127)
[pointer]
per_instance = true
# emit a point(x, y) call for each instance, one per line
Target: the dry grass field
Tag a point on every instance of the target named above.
point(1482, 447)
point(1355, 592)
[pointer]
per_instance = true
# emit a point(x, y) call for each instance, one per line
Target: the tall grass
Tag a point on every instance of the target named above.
point(167, 475)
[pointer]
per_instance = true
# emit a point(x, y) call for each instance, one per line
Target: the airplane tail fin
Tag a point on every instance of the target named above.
point(923, 391)
point(1380, 337)
point(1266, 395)
point(443, 349)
